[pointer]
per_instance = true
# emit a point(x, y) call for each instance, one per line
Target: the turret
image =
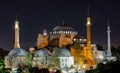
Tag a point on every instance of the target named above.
point(16, 43)
point(44, 32)
point(88, 25)
point(89, 58)
point(108, 41)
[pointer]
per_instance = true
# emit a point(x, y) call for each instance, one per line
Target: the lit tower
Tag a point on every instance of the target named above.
point(88, 25)
point(90, 61)
point(44, 32)
point(108, 41)
point(16, 43)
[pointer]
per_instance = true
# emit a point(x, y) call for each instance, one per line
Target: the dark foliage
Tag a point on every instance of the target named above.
point(111, 67)
point(37, 70)
point(3, 53)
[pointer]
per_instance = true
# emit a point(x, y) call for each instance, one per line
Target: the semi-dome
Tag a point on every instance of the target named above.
point(64, 52)
point(17, 52)
point(54, 42)
point(41, 53)
point(62, 27)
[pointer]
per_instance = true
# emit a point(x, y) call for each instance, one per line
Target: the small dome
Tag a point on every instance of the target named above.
point(40, 53)
point(17, 52)
point(63, 28)
point(64, 52)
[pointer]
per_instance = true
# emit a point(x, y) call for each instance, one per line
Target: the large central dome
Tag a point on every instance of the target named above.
point(63, 29)
point(64, 52)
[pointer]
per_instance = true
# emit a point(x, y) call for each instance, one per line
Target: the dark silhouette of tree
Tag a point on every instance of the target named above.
point(3, 53)
point(110, 67)
point(37, 70)
point(114, 51)
point(54, 59)
point(58, 71)
point(100, 47)
point(34, 70)
point(44, 70)
point(2, 67)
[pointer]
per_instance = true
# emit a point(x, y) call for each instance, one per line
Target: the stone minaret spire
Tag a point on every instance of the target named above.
point(63, 22)
point(16, 43)
point(88, 29)
point(108, 41)
point(88, 51)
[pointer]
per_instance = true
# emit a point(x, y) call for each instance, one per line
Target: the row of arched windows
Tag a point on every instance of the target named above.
point(65, 32)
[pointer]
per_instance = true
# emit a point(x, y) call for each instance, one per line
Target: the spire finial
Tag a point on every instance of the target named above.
point(88, 16)
point(108, 25)
point(108, 21)
point(16, 16)
point(88, 11)
point(63, 22)
point(16, 21)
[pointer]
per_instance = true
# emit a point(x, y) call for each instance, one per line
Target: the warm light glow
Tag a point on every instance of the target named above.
point(84, 67)
point(88, 21)
point(74, 39)
point(16, 24)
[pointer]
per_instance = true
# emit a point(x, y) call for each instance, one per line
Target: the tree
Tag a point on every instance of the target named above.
point(114, 51)
point(3, 53)
point(28, 63)
point(54, 58)
point(2, 67)
point(100, 47)
point(109, 67)
point(1, 64)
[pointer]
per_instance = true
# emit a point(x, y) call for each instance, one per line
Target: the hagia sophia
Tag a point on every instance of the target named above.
point(61, 48)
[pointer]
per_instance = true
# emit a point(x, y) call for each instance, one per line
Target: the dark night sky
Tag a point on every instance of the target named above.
point(36, 15)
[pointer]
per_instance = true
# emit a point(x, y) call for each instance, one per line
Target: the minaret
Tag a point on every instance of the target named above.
point(90, 61)
point(88, 25)
point(108, 41)
point(16, 43)
point(63, 22)
point(44, 32)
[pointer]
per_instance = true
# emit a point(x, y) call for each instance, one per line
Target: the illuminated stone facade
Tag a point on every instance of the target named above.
point(90, 60)
point(42, 41)
point(63, 35)
point(60, 36)
point(80, 53)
